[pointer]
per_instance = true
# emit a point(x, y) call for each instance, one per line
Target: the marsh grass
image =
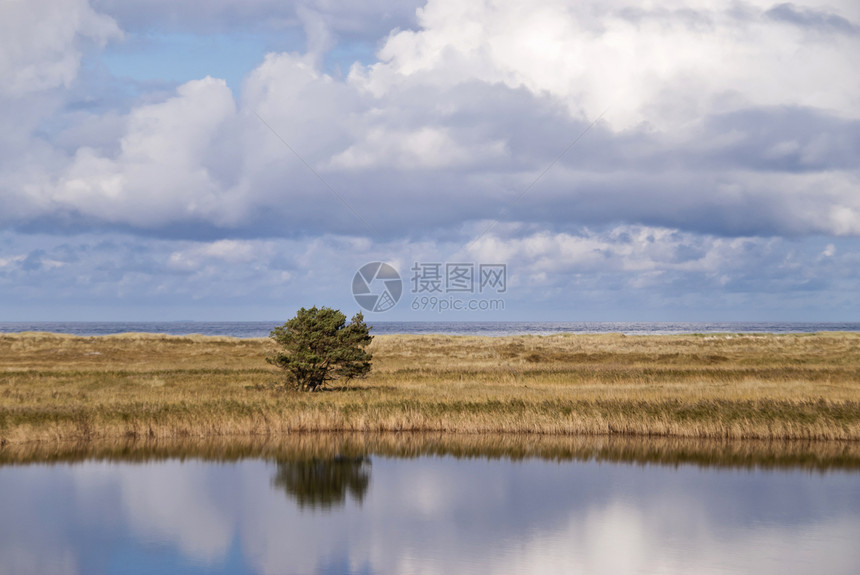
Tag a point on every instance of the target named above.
point(799, 386)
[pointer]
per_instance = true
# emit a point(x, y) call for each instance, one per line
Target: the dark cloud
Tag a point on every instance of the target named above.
point(782, 139)
point(812, 19)
point(687, 17)
point(34, 261)
point(352, 20)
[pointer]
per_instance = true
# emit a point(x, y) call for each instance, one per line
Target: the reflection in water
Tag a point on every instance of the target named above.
point(487, 505)
point(324, 483)
point(811, 455)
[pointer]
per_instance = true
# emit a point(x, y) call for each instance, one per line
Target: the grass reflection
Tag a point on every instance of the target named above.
point(350, 449)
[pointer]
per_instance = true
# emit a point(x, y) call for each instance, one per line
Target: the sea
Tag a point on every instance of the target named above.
point(252, 329)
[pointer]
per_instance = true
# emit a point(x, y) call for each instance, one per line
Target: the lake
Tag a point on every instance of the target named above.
point(335, 504)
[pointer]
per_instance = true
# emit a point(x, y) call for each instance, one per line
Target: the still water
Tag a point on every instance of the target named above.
point(438, 511)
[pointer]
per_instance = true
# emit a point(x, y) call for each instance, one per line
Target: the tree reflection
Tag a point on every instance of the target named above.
point(324, 483)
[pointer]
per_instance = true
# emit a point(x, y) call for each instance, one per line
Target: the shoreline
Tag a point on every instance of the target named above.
point(719, 386)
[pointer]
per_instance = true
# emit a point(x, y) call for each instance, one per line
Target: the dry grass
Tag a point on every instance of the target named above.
point(55, 387)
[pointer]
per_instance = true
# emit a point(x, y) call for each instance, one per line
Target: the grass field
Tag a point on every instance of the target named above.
point(55, 387)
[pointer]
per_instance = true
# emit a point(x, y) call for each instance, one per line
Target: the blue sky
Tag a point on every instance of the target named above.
point(225, 160)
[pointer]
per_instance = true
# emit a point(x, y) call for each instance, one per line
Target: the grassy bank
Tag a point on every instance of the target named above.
point(55, 387)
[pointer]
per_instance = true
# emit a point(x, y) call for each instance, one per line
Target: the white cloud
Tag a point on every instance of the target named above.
point(41, 42)
point(666, 65)
point(163, 171)
point(424, 148)
point(220, 252)
point(625, 249)
point(466, 106)
point(319, 35)
point(5, 261)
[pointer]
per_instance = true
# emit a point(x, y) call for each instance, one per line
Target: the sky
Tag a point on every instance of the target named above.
point(607, 160)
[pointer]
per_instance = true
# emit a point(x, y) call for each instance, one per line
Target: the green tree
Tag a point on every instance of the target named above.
point(319, 346)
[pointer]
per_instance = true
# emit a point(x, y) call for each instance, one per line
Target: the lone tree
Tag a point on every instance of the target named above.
point(319, 346)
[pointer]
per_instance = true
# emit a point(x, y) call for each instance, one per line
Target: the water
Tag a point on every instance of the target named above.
point(383, 514)
point(262, 328)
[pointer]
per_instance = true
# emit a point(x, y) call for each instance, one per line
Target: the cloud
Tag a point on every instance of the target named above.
point(426, 148)
point(199, 160)
point(163, 171)
point(41, 43)
point(637, 257)
point(817, 20)
point(450, 106)
point(723, 126)
point(648, 272)
point(655, 68)
point(442, 130)
point(368, 19)
point(221, 252)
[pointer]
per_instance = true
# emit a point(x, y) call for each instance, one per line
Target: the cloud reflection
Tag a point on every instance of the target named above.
point(429, 515)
